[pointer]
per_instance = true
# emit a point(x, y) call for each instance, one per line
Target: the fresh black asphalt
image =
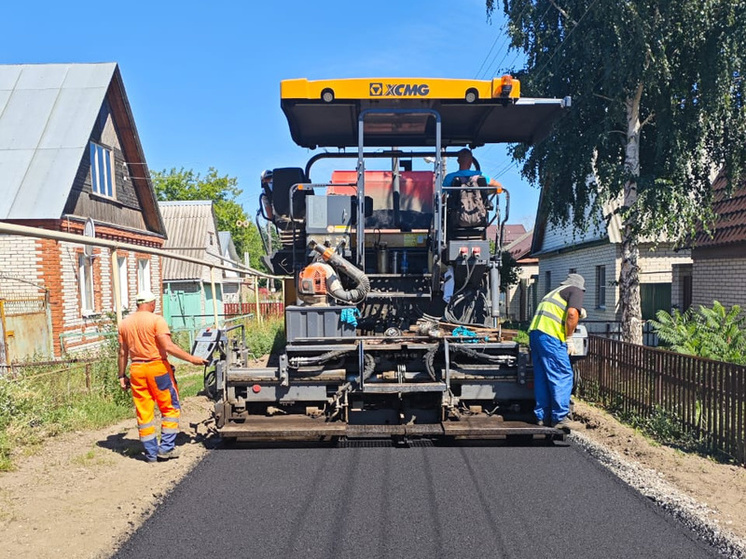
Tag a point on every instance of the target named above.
point(481, 501)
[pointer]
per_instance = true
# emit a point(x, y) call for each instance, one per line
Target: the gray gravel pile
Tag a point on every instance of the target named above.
point(694, 515)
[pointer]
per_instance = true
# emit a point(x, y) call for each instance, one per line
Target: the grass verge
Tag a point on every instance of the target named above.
point(40, 402)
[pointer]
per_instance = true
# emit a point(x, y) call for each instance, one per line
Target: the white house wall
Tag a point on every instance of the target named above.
point(584, 262)
point(559, 237)
point(21, 266)
point(655, 267)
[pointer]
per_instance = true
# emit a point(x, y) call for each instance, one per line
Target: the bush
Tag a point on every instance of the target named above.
point(714, 333)
point(267, 337)
point(521, 337)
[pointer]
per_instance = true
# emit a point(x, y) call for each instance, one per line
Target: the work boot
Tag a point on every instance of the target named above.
point(563, 425)
point(173, 453)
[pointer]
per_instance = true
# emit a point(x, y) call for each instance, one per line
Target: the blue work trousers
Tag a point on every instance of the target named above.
point(553, 376)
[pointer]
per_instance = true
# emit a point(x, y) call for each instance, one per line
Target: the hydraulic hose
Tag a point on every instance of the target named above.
point(295, 362)
point(355, 295)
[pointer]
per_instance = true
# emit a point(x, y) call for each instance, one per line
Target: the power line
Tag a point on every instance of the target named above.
point(486, 57)
point(525, 7)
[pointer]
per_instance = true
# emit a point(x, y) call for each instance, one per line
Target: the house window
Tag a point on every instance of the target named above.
point(102, 165)
point(124, 294)
point(85, 283)
point(143, 275)
point(600, 287)
point(548, 280)
point(572, 271)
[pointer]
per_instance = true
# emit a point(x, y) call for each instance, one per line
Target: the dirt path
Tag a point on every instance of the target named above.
point(83, 493)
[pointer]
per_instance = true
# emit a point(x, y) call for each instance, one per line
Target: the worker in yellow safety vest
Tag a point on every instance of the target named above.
point(553, 324)
point(144, 338)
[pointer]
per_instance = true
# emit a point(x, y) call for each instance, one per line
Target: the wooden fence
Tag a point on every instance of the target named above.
point(706, 398)
point(266, 308)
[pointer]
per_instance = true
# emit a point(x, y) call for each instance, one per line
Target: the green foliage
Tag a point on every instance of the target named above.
point(509, 271)
point(521, 337)
point(663, 426)
point(658, 102)
point(715, 333)
point(267, 337)
point(45, 401)
point(680, 63)
point(223, 191)
point(190, 382)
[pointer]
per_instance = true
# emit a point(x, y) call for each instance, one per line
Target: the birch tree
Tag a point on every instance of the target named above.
point(657, 107)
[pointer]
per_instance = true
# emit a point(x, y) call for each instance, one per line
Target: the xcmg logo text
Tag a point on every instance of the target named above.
point(378, 89)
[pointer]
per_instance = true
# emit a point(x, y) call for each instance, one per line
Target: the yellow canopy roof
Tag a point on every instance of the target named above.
point(325, 113)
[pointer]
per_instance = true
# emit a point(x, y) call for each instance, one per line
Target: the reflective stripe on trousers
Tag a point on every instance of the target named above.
point(153, 383)
point(553, 376)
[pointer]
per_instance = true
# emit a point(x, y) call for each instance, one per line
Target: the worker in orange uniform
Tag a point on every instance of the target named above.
point(145, 340)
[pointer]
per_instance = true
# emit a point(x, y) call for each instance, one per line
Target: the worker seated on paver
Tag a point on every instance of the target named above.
point(468, 208)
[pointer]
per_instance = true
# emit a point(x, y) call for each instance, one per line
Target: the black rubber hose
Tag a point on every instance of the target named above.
point(355, 295)
point(296, 362)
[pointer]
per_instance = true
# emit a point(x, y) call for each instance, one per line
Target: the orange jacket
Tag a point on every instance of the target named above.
point(138, 331)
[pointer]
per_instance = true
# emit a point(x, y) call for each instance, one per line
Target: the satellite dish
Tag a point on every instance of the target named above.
point(89, 231)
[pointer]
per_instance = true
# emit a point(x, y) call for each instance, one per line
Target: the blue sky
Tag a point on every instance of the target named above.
point(203, 78)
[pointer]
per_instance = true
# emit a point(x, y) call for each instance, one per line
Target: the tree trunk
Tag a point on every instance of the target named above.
point(629, 279)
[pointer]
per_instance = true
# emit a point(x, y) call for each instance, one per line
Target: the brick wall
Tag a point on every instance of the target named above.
point(21, 270)
point(656, 266)
point(678, 273)
point(32, 265)
point(719, 279)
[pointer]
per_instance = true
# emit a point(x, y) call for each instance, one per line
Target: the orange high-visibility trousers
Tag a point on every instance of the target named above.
point(154, 383)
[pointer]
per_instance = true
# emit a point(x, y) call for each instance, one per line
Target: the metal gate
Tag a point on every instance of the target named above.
point(26, 330)
point(182, 307)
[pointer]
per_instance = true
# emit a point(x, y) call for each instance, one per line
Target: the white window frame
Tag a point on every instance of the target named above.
point(124, 288)
point(143, 275)
point(85, 284)
point(102, 171)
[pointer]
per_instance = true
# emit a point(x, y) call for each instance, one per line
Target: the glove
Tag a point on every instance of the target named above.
point(570, 348)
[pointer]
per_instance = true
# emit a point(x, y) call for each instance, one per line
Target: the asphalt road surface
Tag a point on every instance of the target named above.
point(470, 501)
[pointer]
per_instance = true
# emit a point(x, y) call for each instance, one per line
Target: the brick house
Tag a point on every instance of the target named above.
point(70, 161)
point(718, 265)
point(192, 229)
point(596, 254)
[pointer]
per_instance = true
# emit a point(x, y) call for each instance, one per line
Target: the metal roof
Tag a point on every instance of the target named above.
point(520, 248)
point(228, 246)
point(192, 231)
point(47, 114)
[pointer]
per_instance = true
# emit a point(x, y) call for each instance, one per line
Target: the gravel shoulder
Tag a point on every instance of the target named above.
point(82, 494)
